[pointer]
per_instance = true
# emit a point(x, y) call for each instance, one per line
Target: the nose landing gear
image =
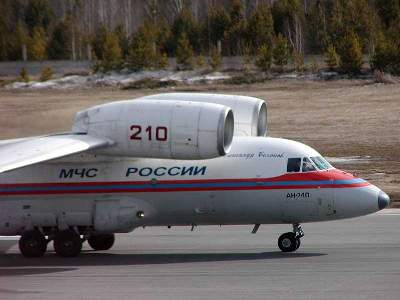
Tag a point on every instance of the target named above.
point(290, 241)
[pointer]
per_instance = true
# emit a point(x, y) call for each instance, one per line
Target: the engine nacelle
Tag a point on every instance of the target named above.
point(160, 129)
point(250, 112)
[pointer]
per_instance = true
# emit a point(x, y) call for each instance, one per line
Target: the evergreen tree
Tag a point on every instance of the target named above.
point(4, 43)
point(123, 40)
point(264, 58)
point(141, 51)
point(98, 42)
point(215, 59)
point(317, 26)
point(236, 34)
point(185, 24)
point(350, 53)
point(60, 42)
point(38, 44)
point(112, 53)
point(237, 31)
point(163, 61)
point(389, 11)
point(38, 13)
point(164, 39)
point(46, 74)
point(200, 61)
point(280, 53)
point(331, 57)
point(247, 58)
point(138, 57)
point(184, 53)
point(23, 75)
point(218, 24)
point(260, 28)
point(289, 21)
point(386, 57)
point(362, 20)
point(298, 61)
point(353, 16)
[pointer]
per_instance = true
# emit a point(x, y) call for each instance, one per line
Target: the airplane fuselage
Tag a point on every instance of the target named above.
point(250, 185)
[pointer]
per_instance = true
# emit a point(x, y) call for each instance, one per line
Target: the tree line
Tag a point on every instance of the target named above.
point(266, 33)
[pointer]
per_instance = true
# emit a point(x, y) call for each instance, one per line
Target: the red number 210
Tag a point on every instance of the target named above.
point(161, 133)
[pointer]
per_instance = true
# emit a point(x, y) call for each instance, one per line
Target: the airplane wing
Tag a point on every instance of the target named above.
point(15, 154)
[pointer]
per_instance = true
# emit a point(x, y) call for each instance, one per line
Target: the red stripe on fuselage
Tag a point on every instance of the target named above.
point(182, 189)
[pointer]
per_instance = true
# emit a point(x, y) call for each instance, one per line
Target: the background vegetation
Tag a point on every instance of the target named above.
point(139, 35)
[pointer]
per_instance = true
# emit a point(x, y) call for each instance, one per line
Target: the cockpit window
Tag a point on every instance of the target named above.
point(307, 165)
point(293, 165)
point(321, 163)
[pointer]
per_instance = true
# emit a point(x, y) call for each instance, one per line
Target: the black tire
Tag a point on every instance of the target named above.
point(100, 242)
point(32, 244)
point(67, 243)
point(287, 242)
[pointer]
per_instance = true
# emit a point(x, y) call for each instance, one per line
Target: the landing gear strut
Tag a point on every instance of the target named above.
point(32, 243)
point(290, 241)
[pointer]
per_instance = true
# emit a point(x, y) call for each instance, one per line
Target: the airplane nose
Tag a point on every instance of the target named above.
point(383, 200)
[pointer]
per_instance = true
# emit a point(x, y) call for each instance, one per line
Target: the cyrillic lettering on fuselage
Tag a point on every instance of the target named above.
point(81, 173)
point(165, 171)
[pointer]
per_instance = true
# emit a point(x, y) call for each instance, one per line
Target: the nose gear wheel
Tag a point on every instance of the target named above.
point(290, 241)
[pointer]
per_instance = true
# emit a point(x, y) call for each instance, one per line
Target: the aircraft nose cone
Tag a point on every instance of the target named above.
point(383, 200)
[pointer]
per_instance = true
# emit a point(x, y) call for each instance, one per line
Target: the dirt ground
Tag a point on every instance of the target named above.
point(345, 118)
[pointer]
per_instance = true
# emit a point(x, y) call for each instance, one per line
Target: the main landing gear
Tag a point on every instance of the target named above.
point(67, 243)
point(290, 241)
point(32, 243)
point(101, 241)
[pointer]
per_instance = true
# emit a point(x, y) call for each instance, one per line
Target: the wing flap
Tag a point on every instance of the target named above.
point(24, 152)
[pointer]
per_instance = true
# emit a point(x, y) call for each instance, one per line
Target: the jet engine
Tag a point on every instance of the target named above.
point(160, 129)
point(250, 112)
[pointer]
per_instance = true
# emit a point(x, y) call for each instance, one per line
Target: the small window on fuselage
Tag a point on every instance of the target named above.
point(293, 165)
point(307, 165)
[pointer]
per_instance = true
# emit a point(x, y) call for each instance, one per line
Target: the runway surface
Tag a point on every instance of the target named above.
point(349, 259)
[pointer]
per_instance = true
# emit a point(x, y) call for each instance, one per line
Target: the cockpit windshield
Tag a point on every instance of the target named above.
point(321, 163)
point(307, 164)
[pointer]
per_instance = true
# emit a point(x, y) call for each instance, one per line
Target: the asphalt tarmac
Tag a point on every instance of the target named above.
point(348, 259)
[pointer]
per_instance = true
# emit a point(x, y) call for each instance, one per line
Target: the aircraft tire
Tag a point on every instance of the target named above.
point(32, 244)
point(67, 243)
point(100, 242)
point(287, 242)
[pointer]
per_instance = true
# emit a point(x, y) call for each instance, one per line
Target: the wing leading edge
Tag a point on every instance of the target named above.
point(24, 152)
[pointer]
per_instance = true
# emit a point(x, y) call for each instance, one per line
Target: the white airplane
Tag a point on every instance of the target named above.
point(168, 160)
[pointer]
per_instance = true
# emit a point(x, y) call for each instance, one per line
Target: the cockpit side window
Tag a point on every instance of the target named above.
point(293, 165)
point(307, 165)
